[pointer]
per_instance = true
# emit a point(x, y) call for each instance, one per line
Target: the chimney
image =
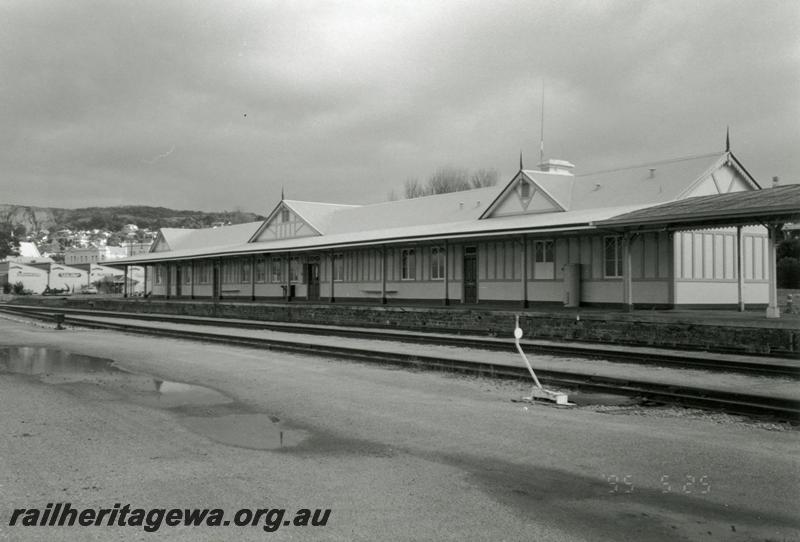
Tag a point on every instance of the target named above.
point(775, 181)
point(557, 167)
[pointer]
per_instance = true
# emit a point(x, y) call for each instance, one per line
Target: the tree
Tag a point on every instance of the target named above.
point(788, 273)
point(483, 178)
point(447, 179)
point(788, 265)
point(9, 240)
point(413, 189)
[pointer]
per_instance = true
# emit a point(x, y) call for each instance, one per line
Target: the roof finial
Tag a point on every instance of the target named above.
point(728, 140)
point(541, 133)
point(281, 192)
point(520, 160)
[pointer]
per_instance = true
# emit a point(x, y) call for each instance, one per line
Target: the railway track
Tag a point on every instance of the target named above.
point(681, 360)
point(688, 396)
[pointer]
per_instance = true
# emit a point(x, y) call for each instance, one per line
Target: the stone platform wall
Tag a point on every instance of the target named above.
point(666, 331)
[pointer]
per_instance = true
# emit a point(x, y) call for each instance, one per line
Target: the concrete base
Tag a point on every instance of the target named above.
point(773, 312)
point(547, 395)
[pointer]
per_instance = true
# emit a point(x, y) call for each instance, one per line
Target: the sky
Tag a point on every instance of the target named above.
point(221, 105)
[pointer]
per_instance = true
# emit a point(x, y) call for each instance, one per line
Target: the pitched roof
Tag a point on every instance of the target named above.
point(437, 209)
point(542, 223)
point(317, 214)
point(651, 183)
point(27, 249)
point(585, 199)
point(781, 204)
point(182, 238)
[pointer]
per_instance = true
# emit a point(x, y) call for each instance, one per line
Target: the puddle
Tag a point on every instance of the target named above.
point(256, 431)
point(220, 418)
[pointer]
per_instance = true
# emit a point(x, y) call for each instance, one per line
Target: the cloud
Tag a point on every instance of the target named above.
point(217, 105)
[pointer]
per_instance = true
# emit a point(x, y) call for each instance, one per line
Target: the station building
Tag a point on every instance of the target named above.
point(547, 236)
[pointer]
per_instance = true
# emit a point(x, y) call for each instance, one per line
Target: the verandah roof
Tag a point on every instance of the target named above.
point(769, 206)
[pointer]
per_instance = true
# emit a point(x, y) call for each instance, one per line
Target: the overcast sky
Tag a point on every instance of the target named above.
point(217, 105)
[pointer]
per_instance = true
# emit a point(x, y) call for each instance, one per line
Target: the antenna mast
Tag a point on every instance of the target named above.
point(541, 135)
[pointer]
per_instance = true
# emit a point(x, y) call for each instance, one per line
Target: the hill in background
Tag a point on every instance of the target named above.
point(36, 219)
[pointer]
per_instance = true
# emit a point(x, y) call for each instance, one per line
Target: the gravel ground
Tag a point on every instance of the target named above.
point(396, 454)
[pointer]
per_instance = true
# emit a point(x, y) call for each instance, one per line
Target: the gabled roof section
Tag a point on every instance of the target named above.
point(167, 237)
point(725, 176)
point(293, 219)
point(657, 182)
point(318, 215)
point(170, 239)
point(28, 249)
point(531, 192)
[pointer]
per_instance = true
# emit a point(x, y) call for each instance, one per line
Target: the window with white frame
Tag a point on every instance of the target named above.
point(186, 271)
point(275, 269)
point(261, 269)
point(408, 264)
point(296, 270)
point(229, 274)
point(338, 267)
point(204, 272)
point(543, 252)
point(285, 215)
point(612, 256)
point(159, 271)
point(544, 267)
point(244, 271)
point(437, 263)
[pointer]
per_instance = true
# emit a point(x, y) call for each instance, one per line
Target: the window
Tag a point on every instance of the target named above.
point(229, 274)
point(159, 278)
point(296, 270)
point(204, 273)
point(244, 272)
point(261, 269)
point(187, 274)
point(612, 255)
point(437, 263)
point(285, 215)
point(338, 267)
point(408, 264)
point(275, 269)
point(543, 251)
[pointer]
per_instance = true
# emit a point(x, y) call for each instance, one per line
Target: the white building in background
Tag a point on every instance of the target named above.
point(65, 277)
point(33, 278)
point(93, 254)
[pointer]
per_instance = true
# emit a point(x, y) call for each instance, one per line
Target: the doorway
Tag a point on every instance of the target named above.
point(470, 275)
point(312, 272)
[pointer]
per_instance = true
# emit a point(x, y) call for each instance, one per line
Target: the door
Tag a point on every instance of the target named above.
point(215, 281)
point(312, 272)
point(470, 275)
point(177, 281)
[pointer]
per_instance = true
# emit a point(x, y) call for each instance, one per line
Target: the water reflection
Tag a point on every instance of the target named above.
point(220, 419)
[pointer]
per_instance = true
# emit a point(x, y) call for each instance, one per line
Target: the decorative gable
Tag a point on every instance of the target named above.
point(160, 244)
point(284, 223)
point(522, 196)
point(722, 180)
